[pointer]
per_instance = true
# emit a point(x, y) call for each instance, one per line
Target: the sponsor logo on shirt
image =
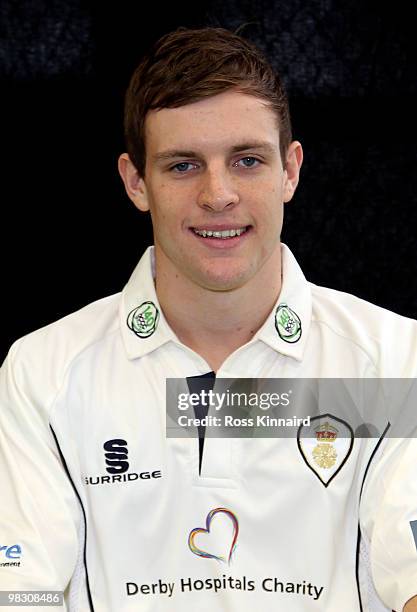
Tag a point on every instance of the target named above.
point(117, 465)
point(274, 585)
point(143, 320)
point(223, 535)
point(10, 555)
point(218, 541)
point(287, 324)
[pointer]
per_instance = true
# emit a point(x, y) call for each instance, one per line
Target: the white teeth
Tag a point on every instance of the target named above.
point(221, 234)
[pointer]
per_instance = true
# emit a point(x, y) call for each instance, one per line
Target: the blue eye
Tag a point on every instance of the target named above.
point(182, 167)
point(249, 162)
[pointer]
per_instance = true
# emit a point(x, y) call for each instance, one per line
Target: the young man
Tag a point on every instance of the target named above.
point(96, 500)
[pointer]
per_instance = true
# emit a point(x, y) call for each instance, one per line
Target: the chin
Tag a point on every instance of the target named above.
point(225, 281)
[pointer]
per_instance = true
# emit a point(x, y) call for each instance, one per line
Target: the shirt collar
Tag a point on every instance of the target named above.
point(144, 327)
point(286, 329)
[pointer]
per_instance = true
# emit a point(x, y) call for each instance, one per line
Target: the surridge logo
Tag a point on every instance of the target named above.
point(117, 464)
point(116, 456)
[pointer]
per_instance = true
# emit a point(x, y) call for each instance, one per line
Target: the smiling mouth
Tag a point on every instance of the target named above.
point(223, 234)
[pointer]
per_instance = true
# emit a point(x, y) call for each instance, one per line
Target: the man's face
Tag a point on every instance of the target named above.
point(214, 166)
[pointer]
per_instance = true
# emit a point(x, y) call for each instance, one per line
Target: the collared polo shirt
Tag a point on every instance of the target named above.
point(99, 503)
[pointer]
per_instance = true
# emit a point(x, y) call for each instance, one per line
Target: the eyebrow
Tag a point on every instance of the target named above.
point(267, 147)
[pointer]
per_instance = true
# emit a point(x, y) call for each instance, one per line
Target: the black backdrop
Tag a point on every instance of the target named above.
point(69, 233)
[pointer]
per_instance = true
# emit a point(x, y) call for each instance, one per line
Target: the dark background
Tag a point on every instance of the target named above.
point(69, 233)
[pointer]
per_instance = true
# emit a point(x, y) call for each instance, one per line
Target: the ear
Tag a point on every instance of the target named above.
point(294, 160)
point(134, 184)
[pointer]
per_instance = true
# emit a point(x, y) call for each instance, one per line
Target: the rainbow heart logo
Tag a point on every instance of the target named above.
point(202, 553)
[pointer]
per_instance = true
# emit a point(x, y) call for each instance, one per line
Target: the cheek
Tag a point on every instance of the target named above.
point(174, 205)
point(162, 204)
point(166, 218)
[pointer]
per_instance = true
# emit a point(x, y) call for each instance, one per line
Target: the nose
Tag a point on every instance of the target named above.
point(217, 191)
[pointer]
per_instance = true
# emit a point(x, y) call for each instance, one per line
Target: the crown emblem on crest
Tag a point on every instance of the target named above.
point(326, 432)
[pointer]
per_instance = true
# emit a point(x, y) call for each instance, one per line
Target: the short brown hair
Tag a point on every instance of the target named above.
point(188, 65)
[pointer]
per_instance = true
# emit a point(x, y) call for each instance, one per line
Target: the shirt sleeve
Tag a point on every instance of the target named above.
point(388, 519)
point(40, 514)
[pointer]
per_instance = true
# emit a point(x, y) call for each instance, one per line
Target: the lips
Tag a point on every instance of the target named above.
point(220, 233)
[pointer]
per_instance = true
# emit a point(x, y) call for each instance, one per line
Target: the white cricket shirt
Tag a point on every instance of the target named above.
point(96, 501)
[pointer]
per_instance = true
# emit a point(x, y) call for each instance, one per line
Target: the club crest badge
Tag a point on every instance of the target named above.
point(223, 538)
point(143, 320)
point(287, 324)
point(325, 445)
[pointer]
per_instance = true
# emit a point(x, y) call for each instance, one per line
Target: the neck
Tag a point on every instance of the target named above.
point(216, 323)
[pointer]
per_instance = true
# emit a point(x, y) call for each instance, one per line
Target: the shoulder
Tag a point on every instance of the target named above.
point(389, 339)
point(74, 332)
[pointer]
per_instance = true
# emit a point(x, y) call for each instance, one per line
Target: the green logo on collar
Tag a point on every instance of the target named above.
point(287, 324)
point(143, 320)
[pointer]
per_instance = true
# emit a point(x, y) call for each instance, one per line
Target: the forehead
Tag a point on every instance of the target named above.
point(216, 122)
